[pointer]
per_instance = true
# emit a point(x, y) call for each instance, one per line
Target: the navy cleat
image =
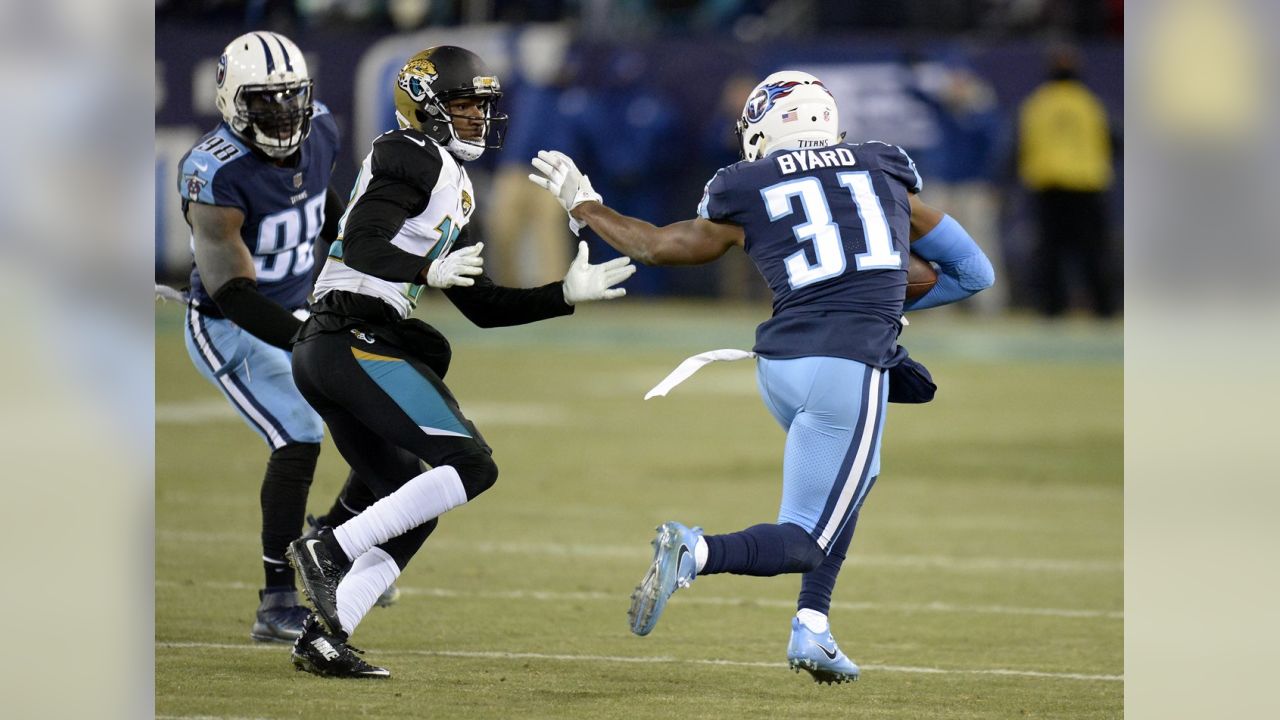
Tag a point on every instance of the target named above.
point(321, 565)
point(819, 655)
point(674, 567)
point(280, 616)
point(320, 653)
point(389, 597)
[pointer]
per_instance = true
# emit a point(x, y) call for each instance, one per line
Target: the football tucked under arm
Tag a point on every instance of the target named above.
point(921, 277)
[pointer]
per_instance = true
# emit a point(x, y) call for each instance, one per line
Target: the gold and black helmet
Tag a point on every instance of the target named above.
point(432, 78)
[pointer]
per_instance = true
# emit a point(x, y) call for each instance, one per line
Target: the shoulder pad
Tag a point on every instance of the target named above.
point(324, 122)
point(714, 205)
point(896, 162)
point(198, 168)
point(409, 155)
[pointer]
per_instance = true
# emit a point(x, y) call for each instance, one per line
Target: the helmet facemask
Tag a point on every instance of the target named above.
point(275, 118)
point(492, 123)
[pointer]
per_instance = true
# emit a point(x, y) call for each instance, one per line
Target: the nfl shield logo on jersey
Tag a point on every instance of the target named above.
point(195, 184)
point(297, 180)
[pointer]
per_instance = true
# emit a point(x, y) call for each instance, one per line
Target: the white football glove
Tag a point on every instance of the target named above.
point(454, 268)
point(563, 179)
point(585, 282)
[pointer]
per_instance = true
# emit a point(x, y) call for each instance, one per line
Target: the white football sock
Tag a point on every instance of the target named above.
point(429, 495)
point(371, 574)
point(814, 620)
point(700, 553)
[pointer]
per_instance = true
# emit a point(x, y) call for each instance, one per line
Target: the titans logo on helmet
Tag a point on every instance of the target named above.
point(765, 97)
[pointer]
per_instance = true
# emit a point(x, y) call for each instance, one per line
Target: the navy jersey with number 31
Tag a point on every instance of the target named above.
point(829, 230)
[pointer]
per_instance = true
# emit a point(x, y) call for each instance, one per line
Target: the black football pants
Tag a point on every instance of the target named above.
point(378, 402)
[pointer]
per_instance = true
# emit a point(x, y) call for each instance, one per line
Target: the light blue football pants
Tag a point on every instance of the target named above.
point(833, 412)
point(255, 377)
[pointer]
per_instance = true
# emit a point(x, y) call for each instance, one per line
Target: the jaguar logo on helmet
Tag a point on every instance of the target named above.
point(415, 76)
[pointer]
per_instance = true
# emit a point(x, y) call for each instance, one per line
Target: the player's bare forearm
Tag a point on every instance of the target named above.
point(924, 218)
point(689, 242)
point(630, 236)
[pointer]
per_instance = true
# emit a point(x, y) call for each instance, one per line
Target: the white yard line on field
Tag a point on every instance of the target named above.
point(631, 552)
point(551, 596)
point(660, 660)
point(206, 717)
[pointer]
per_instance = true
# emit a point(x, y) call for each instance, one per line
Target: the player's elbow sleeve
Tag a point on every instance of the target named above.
point(975, 272)
point(951, 247)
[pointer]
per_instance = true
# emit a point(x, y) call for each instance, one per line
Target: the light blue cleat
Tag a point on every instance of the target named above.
point(818, 654)
point(674, 567)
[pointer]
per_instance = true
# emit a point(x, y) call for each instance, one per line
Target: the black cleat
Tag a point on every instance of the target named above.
point(326, 655)
point(280, 617)
point(389, 597)
point(321, 564)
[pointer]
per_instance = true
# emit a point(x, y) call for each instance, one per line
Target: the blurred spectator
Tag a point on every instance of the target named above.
point(624, 136)
point(530, 242)
point(632, 18)
point(1064, 158)
point(407, 15)
point(960, 175)
point(530, 11)
point(738, 277)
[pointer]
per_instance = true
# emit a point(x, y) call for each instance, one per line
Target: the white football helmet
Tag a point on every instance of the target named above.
point(787, 110)
point(264, 92)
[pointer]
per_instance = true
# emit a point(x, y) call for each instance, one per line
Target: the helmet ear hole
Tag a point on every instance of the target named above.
point(421, 115)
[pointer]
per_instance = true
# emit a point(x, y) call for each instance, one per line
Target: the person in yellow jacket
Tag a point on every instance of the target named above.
point(1064, 158)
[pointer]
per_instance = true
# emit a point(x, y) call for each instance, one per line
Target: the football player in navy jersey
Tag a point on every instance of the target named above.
point(255, 191)
point(375, 375)
point(830, 226)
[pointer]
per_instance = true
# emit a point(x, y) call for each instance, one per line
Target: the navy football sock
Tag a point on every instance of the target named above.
point(762, 550)
point(284, 505)
point(817, 585)
point(354, 498)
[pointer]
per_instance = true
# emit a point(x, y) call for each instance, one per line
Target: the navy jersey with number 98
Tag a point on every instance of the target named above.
point(829, 230)
point(283, 206)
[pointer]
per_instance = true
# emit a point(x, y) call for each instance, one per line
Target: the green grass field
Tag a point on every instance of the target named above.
point(985, 580)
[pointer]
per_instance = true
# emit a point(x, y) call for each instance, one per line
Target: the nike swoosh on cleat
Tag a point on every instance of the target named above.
point(684, 550)
point(311, 548)
point(831, 654)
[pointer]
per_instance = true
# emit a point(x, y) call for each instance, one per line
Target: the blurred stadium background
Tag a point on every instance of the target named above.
point(986, 581)
point(644, 93)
